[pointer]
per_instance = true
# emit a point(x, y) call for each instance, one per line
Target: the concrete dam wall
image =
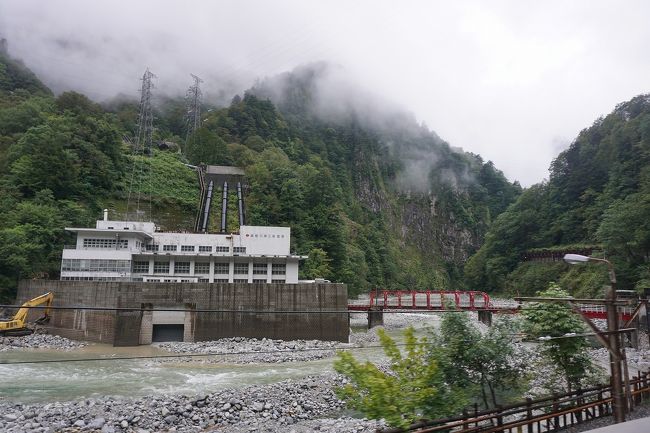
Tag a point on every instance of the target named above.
point(278, 311)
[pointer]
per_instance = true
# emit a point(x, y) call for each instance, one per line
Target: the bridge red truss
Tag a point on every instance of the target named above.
point(456, 299)
point(425, 300)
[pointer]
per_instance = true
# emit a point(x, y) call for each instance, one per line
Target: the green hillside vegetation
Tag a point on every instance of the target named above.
point(598, 194)
point(342, 185)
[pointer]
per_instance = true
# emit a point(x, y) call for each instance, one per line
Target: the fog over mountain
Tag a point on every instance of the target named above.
point(513, 81)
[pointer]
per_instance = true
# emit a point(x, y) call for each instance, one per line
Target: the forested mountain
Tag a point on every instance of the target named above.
point(597, 196)
point(374, 198)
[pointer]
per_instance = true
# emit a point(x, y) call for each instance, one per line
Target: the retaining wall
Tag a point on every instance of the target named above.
point(308, 311)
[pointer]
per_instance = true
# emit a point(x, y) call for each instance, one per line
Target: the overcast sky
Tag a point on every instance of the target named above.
point(514, 81)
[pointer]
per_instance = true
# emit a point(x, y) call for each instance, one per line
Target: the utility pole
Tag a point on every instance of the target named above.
point(613, 340)
point(193, 98)
point(145, 117)
point(621, 400)
point(615, 357)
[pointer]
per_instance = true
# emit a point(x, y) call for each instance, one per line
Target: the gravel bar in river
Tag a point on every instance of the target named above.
point(299, 405)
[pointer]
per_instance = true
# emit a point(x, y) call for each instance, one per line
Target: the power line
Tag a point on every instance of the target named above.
point(210, 310)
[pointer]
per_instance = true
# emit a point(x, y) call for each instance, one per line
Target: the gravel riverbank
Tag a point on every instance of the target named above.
point(252, 350)
point(39, 341)
point(298, 405)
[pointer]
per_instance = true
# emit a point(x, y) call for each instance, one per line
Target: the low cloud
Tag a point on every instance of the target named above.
point(501, 79)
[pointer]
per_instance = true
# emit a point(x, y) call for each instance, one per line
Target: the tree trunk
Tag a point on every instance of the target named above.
point(485, 400)
point(494, 397)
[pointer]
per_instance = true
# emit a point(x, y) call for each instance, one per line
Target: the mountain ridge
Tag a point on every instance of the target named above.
point(341, 183)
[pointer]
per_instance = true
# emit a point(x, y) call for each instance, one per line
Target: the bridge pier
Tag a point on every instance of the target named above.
point(375, 317)
point(485, 317)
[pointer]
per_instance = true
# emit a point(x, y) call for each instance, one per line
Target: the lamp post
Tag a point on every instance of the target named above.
point(612, 328)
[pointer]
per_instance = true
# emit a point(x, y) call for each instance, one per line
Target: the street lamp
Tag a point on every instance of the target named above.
point(612, 328)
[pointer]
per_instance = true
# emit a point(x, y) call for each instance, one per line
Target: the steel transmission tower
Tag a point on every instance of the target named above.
point(140, 172)
point(193, 98)
point(145, 118)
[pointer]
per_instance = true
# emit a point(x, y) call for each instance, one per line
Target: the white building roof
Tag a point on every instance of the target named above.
point(91, 230)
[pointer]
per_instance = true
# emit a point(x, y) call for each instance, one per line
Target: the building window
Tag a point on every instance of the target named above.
point(241, 268)
point(240, 280)
point(278, 281)
point(259, 280)
point(170, 247)
point(201, 268)
point(160, 267)
point(240, 250)
point(205, 248)
point(140, 267)
point(259, 268)
point(95, 265)
point(221, 268)
point(204, 280)
point(187, 248)
point(186, 281)
point(221, 280)
point(106, 243)
point(151, 247)
point(220, 249)
point(96, 279)
point(182, 267)
point(279, 269)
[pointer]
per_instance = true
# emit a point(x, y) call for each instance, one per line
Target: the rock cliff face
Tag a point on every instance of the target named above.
point(436, 233)
point(434, 202)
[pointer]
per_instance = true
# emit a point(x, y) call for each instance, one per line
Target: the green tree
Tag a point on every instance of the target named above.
point(204, 146)
point(412, 388)
point(488, 363)
point(556, 320)
point(317, 265)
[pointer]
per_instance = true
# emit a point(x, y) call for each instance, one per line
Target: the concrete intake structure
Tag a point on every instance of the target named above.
point(278, 311)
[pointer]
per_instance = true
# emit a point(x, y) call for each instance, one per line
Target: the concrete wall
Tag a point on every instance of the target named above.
point(307, 311)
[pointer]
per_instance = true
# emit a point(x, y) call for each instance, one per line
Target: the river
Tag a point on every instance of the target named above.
point(58, 381)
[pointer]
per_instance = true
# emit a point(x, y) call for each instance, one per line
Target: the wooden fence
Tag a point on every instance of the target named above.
point(537, 416)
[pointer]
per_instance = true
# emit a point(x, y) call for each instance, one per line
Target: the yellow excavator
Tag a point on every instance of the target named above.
point(17, 325)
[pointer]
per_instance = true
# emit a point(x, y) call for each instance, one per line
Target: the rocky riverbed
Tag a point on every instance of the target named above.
point(638, 360)
point(38, 341)
point(298, 405)
point(241, 350)
point(398, 319)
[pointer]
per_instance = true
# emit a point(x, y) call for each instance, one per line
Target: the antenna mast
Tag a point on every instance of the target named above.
point(193, 98)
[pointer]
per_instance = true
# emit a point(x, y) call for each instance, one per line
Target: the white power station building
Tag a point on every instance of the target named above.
point(135, 251)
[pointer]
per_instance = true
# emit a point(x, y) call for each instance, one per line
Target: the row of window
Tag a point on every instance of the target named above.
point(95, 265)
point(92, 278)
point(200, 280)
point(192, 248)
point(106, 243)
point(203, 268)
point(168, 280)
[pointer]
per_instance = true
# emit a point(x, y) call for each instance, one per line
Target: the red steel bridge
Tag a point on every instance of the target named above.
point(432, 300)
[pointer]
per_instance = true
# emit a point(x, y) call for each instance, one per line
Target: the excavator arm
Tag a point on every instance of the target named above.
point(18, 322)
